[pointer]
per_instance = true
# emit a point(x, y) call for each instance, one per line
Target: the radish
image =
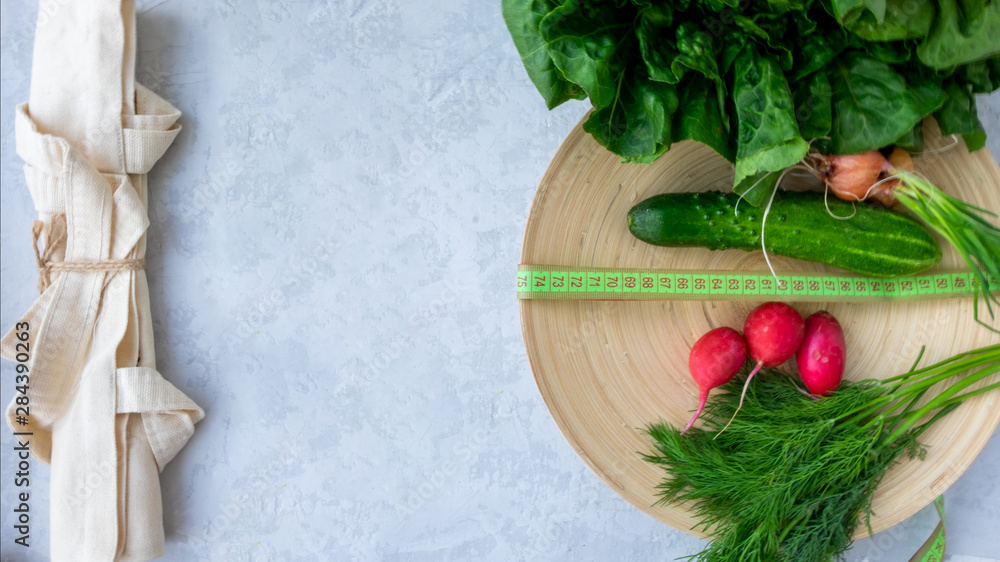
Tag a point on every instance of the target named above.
point(714, 360)
point(820, 358)
point(774, 331)
point(870, 175)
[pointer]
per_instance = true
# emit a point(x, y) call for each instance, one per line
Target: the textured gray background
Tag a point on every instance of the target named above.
point(333, 238)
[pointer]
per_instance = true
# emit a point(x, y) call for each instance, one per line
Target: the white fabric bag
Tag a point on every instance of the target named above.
point(100, 413)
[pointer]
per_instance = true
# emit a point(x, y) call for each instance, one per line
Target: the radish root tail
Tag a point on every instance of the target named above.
point(701, 406)
point(746, 385)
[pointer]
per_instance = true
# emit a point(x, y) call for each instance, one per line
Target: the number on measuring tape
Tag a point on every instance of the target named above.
point(630, 284)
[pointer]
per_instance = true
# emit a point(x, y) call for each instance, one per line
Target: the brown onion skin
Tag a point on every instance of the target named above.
point(899, 159)
point(850, 176)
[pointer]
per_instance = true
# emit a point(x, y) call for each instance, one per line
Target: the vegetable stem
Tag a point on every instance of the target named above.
point(940, 399)
point(963, 226)
point(916, 383)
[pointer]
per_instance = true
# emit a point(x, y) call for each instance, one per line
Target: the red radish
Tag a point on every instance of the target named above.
point(715, 359)
point(774, 331)
point(821, 357)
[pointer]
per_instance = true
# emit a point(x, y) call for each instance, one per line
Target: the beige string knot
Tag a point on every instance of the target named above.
point(54, 239)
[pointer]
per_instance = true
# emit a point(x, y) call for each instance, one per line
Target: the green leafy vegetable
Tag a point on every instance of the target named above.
point(637, 125)
point(654, 46)
point(700, 117)
point(759, 81)
point(958, 115)
point(587, 41)
point(792, 477)
point(769, 138)
point(816, 51)
point(873, 105)
point(966, 227)
point(523, 18)
point(984, 75)
point(963, 31)
point(812, 105)
point(887, 20)
point(757, 189)
point(913, 140)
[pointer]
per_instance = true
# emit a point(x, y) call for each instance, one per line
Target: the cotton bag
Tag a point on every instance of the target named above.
point(100, 413)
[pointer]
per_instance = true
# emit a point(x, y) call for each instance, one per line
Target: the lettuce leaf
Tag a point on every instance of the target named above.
point(700, 117)
point(769, 137)
point(522, 18)
point(759, 81)
point(873, 105)
point(885, 20)
point(812, 105)
point(637, 125)
point(983, 76)
point(588, 42)
point(964, 31)
point(958, 115)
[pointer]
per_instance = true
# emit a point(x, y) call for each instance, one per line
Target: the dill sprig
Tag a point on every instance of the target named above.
point(793, 477)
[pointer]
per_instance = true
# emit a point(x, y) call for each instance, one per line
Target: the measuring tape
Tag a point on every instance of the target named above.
point(933, 548)
point(592, 283)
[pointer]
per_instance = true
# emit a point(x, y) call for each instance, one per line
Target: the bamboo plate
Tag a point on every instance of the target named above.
point(606, 369)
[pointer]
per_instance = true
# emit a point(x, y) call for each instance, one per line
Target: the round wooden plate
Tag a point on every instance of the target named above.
point(607, 369)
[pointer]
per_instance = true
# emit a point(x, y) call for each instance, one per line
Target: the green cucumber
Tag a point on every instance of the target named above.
point(875, 241)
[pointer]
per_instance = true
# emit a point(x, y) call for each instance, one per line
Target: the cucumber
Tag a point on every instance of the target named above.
point(875, 241)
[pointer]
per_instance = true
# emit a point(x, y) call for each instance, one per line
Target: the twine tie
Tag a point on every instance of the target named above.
point(54, 237)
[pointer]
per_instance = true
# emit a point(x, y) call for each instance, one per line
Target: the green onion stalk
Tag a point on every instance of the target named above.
point(968, 228)
point(793, 477)
point(964, 226)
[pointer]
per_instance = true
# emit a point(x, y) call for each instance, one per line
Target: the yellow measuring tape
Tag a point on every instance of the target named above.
point(590, 283)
